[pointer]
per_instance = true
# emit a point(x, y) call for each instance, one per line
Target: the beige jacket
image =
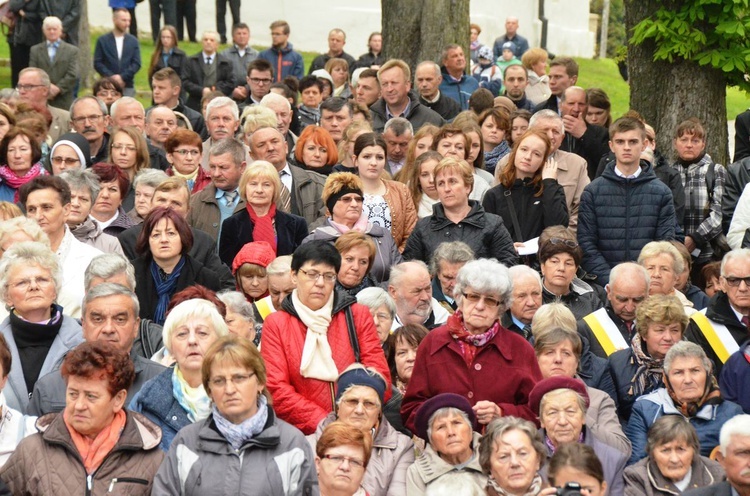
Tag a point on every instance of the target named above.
point(601, 418)
point(403, 212)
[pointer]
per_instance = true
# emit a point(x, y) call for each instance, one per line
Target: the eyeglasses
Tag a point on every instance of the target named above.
point(354, 403)
point(27, 87)
point(64, 160)
point(121, 146)
point(351, 199)
point(339, 460)
point(25, 284)
point(735, 281)
point(567, 242)
point(192, 153)
point(488, 300)
point(328, 277)
point(261, 81)
point(237, 379)
point(90, 118)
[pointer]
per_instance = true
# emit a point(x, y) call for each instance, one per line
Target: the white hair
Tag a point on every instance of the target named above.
point(272, 99)
point(192, 308)
point(518, 272)
point(374, 298)
point(739, 425)
point(223, 101)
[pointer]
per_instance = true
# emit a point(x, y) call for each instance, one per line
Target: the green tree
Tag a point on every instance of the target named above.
point(616, 35)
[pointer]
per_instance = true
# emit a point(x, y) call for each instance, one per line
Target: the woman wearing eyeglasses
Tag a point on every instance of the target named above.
point(341, 457)
point(315, 335)
point(184, 151)
point(128, 151)
point(559, 257)
point(108, 209)
point(241, 448)
point(473, 355)
point(70, 151)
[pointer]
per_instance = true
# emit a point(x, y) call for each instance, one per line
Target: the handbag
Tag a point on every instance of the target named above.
point(7, 18)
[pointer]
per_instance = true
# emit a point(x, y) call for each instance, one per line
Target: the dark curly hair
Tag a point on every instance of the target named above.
point(100, 360)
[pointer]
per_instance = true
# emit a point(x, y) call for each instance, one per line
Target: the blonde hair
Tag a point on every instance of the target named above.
point(260, 169)
point(462, 167)
point(660, 309)
point(656, 248)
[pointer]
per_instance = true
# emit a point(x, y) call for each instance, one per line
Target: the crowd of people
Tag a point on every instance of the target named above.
point(472, 281)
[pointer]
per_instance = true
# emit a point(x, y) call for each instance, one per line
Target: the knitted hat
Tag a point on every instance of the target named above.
point(444, 400)
point(509, 45)
point(506, 103)
point(257, 252)
point(485, 52)
point(552, 383)
point(79, 145)
point(360, 377)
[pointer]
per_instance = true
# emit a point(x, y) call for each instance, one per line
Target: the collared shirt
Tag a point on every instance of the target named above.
point(206, 56)
point(285, 175)
point(241, 51)
point(631, 176)
point(225, 211)
point(105, 224)
point(434, 100)
point(389, 115)
point(52, 49)
point(396, 166)
point(518, 323)
point(736, 313)
point(165, 57)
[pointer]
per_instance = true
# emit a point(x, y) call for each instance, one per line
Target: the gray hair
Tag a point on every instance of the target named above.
point(150, 177)
point(670, 428)
point(124, 101)
point(497, 429)
point(237, 303)
point(28, 226)
point(656, 248)
point(195, 307)
point(487, 276)
point(550, 395)
point(455, 482)
point(400, 126)
point(445, 412)
point(374, 298)
point(43, 76)
point(223, 101)
point(431, 64)
point(454, 252)
point(108, 265)
point(400, 270)
point(99, 101)
point(158, 107)
point(280, 266)
point(29, 253)
point(79, 179)
point(738, 253)
point(51, 20)
point(574, 88)
point(275, 99)
point(546, 115)
point(110, 289)
point(518, 272)
point(739, 425)
point(230, 146)
point(629, 269)
point(686, 349)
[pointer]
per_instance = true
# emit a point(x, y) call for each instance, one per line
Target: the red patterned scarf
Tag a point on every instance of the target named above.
point(8, 176)
point(468, 342)
point(263, 229)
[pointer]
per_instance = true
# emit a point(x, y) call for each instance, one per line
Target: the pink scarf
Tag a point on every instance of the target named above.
point(359, 226)
point(11, 179)
point(468, 342)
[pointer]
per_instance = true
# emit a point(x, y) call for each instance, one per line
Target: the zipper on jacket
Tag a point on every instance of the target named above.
point(89, 483)
point(130, 480)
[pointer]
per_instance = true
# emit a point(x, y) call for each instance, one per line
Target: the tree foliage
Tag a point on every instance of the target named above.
point(710, 32)
point(616, 35)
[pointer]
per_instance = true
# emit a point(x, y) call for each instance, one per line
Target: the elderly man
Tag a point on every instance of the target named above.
point(34, 88)
point(207, 71)
point(280, 285)
point(367, 90)
point(612, 328)
point(59, 60)
point(222, 121)
point(456, 83)
point(526, 300)
point(586, 140)
point(411, 289)
point(515, 81)
point(336, 42)
point(283, 109)
point(397, 134)
point(396, 101)
point(444, 265)
point(734, 446)
point(89, 117)
point(161, 121)
point(46, 199)
point(302, 189)
point(166, 89)
point(110, 313)
point(118, 54)
point(722, 327)
point(127, 111)
point(428, 79)
point(511, 34)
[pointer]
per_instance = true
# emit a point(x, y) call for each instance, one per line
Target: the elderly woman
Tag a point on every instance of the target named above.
point(260, 187)
point(664, 265)
point(240, 317)
point(360, 395)
point(448, 423)
point(386, 203)
point(637, 370)
point(341, 457)
point(574, 467)
point(511, 453)
point(560, 257)
point(474, 340)
point(95, 445)
point(249, 270)
point(108, 211)
point(421, 182)
point(558, 351)
point(383, 311)
point(495, 125)
point(177, 397)
point(164, 266)
point(84, 189)
point(70, 151)
point(528, 190)
point(357, 255)
point(128, 150)
point(316, 334)
point(561, 403)
point(535, 63)
point(240, 422)
point(20, 155)
point(343, 196)
point(674, 463)
point(316, 151)
point(37, 332)
point(690, 391)
point(184, 151)
point(460, 218)
point(144, 184)
point(401, 354)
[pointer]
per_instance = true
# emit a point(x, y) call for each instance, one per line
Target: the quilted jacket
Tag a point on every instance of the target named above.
point(48, 463)
point(619, 216)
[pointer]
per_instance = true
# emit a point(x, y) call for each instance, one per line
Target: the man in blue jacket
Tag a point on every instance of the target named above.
point(117, 54)
point(626, 207)
point(284, 60)
point(456, 83)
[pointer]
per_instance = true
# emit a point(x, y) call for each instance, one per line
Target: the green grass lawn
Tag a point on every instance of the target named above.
point(600, 73)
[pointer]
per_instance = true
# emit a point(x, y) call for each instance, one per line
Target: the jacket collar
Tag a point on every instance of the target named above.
point(647, 173)
point(430, 466)
point(720, 310)
point(341, 300)
point(443, 339)
point(474, 218)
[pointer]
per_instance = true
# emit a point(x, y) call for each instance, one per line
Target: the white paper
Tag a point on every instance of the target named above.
point(530, 247)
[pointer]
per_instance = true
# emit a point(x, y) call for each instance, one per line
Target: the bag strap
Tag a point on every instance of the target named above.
point(148, 351)
point(710, 181)
point(352, 334)
point(513, 216)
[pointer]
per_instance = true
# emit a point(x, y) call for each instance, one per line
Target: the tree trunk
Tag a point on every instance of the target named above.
point(414, 33)
point(666, 93)
point(85, 62)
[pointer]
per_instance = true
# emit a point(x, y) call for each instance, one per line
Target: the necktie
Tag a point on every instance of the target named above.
point(230, 196)
point(526, 331)
point(285, 197)
point(208, 60)
point(52, 51)
point(746, 321)
point(629, 324)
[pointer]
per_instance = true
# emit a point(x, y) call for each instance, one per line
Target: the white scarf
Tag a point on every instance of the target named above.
point(317, 358)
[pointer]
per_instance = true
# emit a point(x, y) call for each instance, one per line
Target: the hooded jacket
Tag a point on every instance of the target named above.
point(428, 467)
point(459, 89)
point(285, 62)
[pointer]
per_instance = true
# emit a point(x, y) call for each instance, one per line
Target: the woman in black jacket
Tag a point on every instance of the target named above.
point(166, 53)
point(529, 184)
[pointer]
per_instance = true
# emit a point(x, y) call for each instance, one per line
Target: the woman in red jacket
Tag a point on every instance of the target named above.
point(315, 335)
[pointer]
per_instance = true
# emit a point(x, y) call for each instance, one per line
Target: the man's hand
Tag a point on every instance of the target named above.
point(690, 244)
point(54, 90)
point(239, 93)
point(206, 91)
point(576, 126)
point(119, 80)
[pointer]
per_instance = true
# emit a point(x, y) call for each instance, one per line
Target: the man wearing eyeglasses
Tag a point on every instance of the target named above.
point(259, 79)
point(722, 327)
point(34, 88)
point(207, 71)
point(89, 118)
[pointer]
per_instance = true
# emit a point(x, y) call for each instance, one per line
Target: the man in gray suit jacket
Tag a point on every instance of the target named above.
point(59, 60)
